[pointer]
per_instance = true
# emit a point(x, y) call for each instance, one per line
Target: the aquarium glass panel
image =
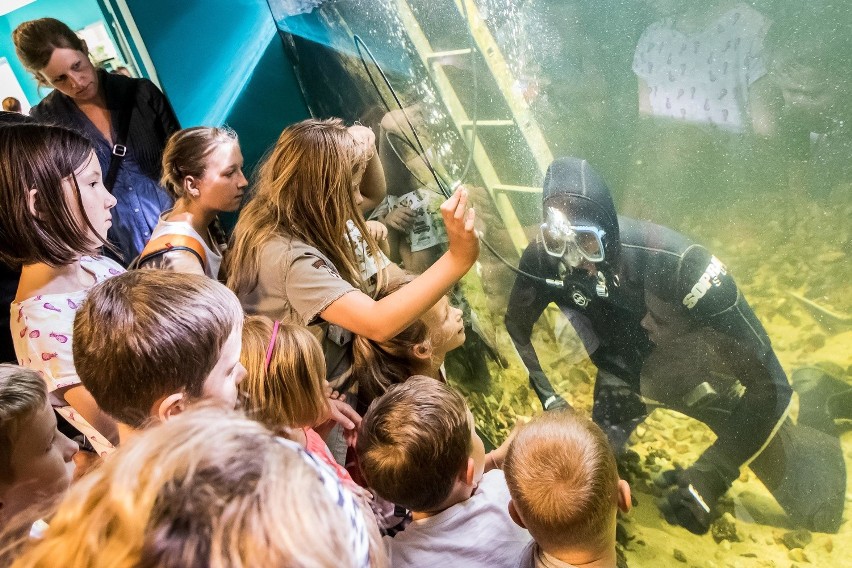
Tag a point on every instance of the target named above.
point(663, 193)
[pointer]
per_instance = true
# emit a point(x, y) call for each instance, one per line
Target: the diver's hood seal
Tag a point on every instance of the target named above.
point(573, 187)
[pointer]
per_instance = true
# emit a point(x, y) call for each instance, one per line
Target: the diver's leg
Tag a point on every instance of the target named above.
point(804, 470)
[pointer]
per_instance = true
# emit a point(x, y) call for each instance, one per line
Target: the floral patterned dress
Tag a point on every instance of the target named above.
point(41, 331)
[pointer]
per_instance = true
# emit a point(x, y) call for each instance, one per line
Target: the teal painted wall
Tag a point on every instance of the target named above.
point(222, 62)
point(76, 13)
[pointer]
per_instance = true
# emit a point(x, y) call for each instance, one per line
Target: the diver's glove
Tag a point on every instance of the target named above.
point(693, 492)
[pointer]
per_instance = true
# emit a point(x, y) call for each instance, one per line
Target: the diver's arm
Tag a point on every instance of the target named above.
point(527, 302)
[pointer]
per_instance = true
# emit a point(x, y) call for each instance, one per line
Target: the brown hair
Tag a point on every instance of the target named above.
point(22, 393)
point(35, 156)
point(11, 104)
point(207, 488)
point(414, 441)
point(290, 391)
point(145, 334)
point(36, 40)
point(563, 480)
point(377, 365)
point(186, 154)
point(304, 191)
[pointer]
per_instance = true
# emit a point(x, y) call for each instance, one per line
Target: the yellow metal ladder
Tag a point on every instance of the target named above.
point(521, 114)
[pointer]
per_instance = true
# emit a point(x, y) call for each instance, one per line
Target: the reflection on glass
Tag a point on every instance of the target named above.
point(720, 132)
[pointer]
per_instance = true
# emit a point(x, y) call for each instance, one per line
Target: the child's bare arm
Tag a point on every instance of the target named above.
point(384, 319)
point(81, 400)
point(495, 458)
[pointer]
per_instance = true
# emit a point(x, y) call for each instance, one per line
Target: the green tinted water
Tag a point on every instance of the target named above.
point(747, 150)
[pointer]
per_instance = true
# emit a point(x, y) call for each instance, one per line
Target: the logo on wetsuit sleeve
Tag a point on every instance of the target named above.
point(579, 299)
point(710, 278)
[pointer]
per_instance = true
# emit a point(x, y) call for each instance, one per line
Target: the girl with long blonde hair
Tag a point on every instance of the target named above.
point(302, 253)
point(208, 488)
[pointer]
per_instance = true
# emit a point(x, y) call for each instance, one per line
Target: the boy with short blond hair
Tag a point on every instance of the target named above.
point(418, 448)
point(149, 342)
point(36, 459)
point(565, 490)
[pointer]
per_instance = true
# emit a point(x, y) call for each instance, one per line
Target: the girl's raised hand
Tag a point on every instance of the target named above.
point(459, 220)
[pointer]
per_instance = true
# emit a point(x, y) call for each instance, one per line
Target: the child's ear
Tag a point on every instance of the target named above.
point(190, 185)
point(469, 472)
point(624, 500)
point(31, 203)
point(423, 350)
point(513, 512)
point(170, 406)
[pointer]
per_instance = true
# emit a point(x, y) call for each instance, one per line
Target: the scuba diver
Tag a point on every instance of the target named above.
point(600, 269)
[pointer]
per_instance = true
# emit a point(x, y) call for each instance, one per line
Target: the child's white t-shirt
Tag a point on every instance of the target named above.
point(473, 533)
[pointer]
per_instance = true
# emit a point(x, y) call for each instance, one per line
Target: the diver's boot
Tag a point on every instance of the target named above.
point(816, 388)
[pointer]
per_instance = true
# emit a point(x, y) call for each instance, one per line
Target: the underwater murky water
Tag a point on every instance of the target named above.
point(726, 121)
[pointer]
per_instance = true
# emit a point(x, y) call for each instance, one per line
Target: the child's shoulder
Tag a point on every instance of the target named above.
point(101, 267)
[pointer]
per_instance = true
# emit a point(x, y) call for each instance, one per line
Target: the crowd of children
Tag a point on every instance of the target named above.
point(223, 422)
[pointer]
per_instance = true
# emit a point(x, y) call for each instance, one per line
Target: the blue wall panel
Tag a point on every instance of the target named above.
point(221, 61)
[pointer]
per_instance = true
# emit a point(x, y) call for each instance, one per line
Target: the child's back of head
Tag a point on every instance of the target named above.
point(208, 488)
point(564, 483)
point(285, 379)
point(147, 338)
point(414, 442)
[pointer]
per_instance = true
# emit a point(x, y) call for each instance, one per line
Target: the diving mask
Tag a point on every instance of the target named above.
point(573, 243)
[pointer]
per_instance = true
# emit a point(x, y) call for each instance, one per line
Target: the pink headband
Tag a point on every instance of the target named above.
point(271, 344)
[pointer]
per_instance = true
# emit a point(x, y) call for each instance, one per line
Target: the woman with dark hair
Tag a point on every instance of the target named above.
point(126, 120)
point(56, 213)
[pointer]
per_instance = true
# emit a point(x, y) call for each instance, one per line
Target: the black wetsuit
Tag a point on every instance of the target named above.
point(678, 271)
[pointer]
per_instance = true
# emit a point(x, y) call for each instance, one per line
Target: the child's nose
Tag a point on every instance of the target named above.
point(70, 448)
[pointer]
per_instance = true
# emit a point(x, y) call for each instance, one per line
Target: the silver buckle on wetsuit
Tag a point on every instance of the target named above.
point(119, 150)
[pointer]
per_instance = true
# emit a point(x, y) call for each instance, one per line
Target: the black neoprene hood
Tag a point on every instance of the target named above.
point(574, 187)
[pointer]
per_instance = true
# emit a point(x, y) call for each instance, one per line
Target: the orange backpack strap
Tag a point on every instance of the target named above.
point(169, 243)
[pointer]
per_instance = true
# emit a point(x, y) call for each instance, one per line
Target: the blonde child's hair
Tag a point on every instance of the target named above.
point(414, 441)
point(23, 392)
point(290, 390)
point(207, 488)
point(563, 480)
point(303, 189)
